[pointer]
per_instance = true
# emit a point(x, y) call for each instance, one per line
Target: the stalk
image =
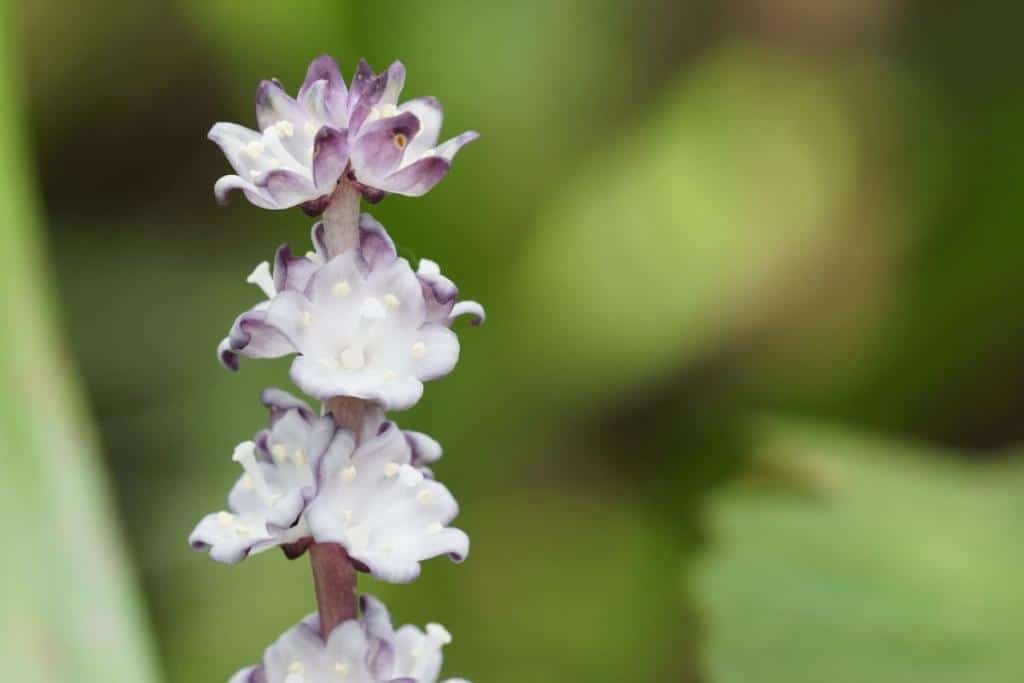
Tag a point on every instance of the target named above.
point(334, 576)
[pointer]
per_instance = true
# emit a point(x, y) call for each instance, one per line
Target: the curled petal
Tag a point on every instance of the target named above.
point(279, 402)
point(471, 308)
point(287, 188)
point(291, 272)
point(225, 185)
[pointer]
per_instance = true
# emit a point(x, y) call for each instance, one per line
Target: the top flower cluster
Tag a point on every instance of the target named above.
point(306, 144)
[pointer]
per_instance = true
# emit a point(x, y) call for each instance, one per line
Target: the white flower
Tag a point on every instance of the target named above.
point(305, 480)
point(364, 650)
point(363, 323)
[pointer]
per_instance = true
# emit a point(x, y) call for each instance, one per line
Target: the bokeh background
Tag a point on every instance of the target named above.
point(747, 408)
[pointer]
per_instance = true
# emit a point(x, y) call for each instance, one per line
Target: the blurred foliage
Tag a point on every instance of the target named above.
point(61, 537)
point(851, 558)
point(679, 215)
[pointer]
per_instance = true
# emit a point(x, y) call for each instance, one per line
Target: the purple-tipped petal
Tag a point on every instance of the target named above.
point(279, 401)
point(227, 357)
point(361, 80)
point(380, 146)
point(253, 336)
point(332, 97)
point(439, 292)
point(225, 185)
point(375, 245)
point(330, 156)
point(273, 104)
point(418, 178)
point(369, 99)
point(287, 188)
point(470, 308)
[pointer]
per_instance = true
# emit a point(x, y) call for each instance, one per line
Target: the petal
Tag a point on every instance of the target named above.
point(225, 185)
point(287, 188)
point(290, 272)
point(247, 675)
point(273, 104)
point(471, 308)
point(425, 449)
point(229, 542)
point(394, 79)
point(428, 111)
point(233, 141)
point(449, 148)
point(416, 179)
point(361, 81)
point(227, 357)
point(330, 156)
point(380, 146)
point(441, 352)
point(375, 245)
point(332, 97)
point(252, 336)
point(369, 96)
point(279, 401)
point(439, 292)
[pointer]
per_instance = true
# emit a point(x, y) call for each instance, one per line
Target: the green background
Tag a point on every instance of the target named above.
point(747, 405)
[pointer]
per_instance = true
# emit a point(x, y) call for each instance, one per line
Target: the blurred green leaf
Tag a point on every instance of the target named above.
point(677, 235)
point(877, 561)
point(70, 607)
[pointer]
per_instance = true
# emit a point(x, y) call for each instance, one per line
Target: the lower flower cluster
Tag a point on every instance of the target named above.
point(305, 480)
point(366, 650)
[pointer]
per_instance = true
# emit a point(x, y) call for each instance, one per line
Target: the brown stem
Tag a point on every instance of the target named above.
point(334, 579)
point(349, 413)
point(341, 219)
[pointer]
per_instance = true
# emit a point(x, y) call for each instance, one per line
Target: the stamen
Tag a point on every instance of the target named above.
point(391, 301)
point(434, 528)
point(307, 318)
point(341, 288)
point(392, 469)
point(299, 458)
point(255, 149)
point(279, 452)
point(425, 497)
point(285, 128)
point(341, 668)
point(419, 350)
point(400, 140)
point(225, 519)
point(348, 474)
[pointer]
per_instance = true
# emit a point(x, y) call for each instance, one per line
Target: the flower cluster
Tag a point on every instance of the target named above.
point(305, 144)
point(342, 482)
point(367, 650)
point(305, 480)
